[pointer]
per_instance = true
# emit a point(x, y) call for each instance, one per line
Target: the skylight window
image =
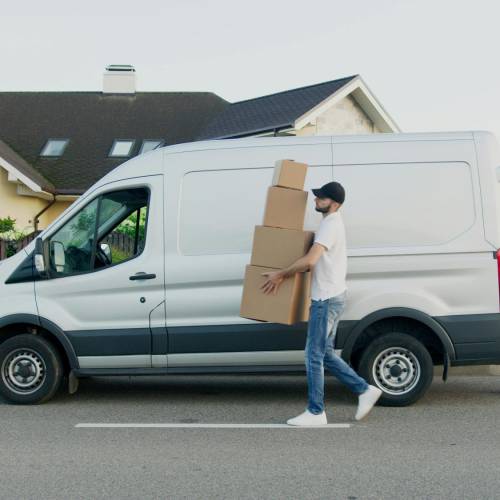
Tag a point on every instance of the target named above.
point(122, 147)
point(150, 144)
point(54, 147)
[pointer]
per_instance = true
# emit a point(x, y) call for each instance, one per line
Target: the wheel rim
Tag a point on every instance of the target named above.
point(396, 371)
point(23, 371)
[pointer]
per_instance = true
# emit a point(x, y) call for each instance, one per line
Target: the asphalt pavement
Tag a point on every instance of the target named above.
point(445, 446)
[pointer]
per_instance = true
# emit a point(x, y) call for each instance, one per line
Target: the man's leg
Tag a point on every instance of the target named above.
point(335, 364)
point(315, 353)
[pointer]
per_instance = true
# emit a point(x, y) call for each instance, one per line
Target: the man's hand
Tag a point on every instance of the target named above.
point(273, 282)
point(275, 278)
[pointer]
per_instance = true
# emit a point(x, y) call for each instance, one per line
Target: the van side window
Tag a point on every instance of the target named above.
point(109, 230)
point(126, 240)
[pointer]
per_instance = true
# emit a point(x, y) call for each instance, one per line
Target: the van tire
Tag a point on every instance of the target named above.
point(30, 369)
point(400, 366)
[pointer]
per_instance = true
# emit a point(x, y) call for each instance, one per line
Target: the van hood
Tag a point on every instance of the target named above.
point(7, 266)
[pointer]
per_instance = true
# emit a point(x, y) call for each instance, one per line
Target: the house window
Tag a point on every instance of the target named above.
point(122, 147)
point(54, 147)
point(150, 144)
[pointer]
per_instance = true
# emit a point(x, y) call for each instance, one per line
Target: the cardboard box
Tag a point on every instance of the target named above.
point(305, 299)
point(289, 174)
point(285, 208)
point(278, 248)
point(287, 307)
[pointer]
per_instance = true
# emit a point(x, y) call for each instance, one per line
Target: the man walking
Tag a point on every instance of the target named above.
point(328, 260)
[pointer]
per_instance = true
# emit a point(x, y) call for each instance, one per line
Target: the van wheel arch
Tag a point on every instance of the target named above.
point(412, 322)
point(18, 324)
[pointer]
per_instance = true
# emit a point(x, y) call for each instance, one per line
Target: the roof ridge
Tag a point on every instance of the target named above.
point(297, 88)
point(100, 92)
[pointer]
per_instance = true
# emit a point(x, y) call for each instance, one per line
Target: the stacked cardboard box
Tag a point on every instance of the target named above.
point(279, 242)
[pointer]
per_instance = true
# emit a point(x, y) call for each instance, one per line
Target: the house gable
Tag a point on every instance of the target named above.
point(356, 97)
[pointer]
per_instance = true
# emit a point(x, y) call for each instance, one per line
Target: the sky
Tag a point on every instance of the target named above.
point(433, 64)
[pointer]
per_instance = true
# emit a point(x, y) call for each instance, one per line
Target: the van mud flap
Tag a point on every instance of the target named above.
point(72, 382)
point(446, 365)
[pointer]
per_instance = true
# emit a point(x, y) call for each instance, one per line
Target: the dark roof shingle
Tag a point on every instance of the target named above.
point(269, 112)
point(91, 121)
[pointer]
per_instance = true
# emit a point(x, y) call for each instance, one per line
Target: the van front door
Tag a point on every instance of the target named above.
point(105, 285)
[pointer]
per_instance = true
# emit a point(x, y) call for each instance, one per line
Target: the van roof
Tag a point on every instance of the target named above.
point(318, 139)
point(128, 168)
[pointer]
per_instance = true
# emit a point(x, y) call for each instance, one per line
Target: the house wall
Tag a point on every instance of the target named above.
point(53, 212)
point(345, 117)
point(24, 208)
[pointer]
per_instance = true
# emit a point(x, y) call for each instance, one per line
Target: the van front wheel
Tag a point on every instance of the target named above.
point(30, 369)
point(398, 364)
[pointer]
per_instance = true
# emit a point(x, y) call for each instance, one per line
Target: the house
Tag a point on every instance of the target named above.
point(55, 145)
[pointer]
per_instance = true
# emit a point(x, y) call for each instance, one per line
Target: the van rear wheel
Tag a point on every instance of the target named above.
point(400, 366)
point(30, 369)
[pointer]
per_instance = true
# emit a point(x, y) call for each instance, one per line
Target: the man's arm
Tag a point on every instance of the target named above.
point(275, 278)
point(304, 263)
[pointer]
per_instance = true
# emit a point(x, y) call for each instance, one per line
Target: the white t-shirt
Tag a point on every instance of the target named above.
point(329, 273)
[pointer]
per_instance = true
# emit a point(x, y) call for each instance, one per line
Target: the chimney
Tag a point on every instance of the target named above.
point(119, 79)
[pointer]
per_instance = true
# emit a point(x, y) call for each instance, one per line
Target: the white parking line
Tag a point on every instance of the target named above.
point(210, 426)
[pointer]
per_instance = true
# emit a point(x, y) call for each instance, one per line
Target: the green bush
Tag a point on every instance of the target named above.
point(128, 226)
point(7, 225)
point(9, 233)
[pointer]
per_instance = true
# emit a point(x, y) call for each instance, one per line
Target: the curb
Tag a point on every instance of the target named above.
point(476, 370)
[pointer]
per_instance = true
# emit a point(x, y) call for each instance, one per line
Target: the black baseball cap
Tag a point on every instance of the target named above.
point(332, 190)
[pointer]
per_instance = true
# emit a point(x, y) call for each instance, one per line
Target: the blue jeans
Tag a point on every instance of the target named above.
point(324, 316)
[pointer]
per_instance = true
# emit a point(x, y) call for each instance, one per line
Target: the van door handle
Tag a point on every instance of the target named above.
point(142, 276)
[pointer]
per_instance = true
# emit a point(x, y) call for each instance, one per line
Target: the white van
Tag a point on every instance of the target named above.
point(143, 274)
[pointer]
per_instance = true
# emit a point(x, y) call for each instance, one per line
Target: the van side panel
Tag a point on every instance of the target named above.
point(214, 201)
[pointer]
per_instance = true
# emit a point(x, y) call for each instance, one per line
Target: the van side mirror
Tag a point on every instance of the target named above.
point(39, 257)
point(106, 250)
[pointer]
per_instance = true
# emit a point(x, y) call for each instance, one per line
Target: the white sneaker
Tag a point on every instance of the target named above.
point(308, 419)
point(366, 401)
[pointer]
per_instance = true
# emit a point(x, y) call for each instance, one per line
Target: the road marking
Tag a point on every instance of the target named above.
point(210, 426)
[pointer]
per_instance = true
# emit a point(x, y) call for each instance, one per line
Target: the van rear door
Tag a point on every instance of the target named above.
point(488, 159)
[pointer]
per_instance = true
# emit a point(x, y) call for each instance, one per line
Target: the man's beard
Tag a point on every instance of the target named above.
point(322, 210)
